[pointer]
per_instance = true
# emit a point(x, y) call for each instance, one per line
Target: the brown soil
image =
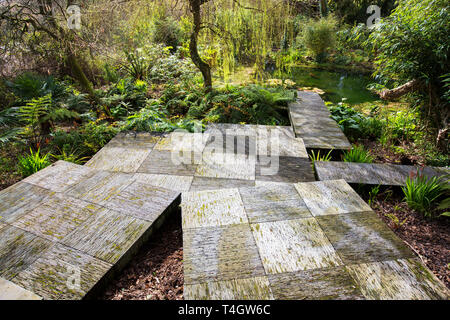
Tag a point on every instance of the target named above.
point(156, 273)
point(383, 154)
point(429, 238)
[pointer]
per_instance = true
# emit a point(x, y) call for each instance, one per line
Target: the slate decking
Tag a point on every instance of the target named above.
point(373, 173)
point(311, 121)
point(70, 220)
point(224, 156)
point(314, 240)
point(255, 225)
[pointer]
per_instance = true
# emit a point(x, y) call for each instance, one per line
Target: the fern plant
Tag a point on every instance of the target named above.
point(32, 163)
point(32, 114)
point(8, 123)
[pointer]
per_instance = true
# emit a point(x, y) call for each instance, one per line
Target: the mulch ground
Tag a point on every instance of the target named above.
point(156, 273)
point(383, 154)
point(430, 238)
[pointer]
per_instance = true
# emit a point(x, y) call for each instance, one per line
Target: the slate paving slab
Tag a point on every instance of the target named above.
point(402, 279)
point(212, 208)
point(60, 176)
point(231, 143)
point(101, 187)
point(54, 274)
point(56, 217)
point(331, 250)
point(182, 141)
point(91, 224)
point(171, 182)
point(18, 199)
point(331, 197)
point(362, 237)
point(284, 169)
point(142, 201)
point(311, 121)
point(293, 245)
point(205, 183)
point(171, 163)
point(227, 165)
point(373, 173)
point(318, 284)
point(119, 159)
point(135, 140)
point(256, 288)
point(107, 235)
point(18, 250)
point(220, 253)
point(271, 203)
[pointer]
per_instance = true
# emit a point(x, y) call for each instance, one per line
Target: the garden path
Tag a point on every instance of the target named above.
point(256, 224)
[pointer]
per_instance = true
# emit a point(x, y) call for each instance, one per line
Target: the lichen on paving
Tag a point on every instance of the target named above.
point(256, 288)
point(220, 253)
point(403, 279)
point(331, 197)
point(212, 208)
point(293, 245)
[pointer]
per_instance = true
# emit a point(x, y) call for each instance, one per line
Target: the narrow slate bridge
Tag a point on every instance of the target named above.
point(256, 224)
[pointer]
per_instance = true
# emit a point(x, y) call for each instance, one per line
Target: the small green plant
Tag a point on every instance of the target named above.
point(70, 156)
point(317, 157)
point(396, 223)
point(358, 154)
point(422, 192)
point(32, 163)
point(373, 194)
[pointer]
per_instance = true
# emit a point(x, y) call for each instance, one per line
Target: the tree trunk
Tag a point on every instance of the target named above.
point(80, 76)
point(323, 8)
point(408, 87)
point(204, 68)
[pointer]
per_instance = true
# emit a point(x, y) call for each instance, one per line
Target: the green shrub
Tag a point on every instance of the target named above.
point(358, 154)
point(422, 192)
point(32, 163)
point(249, 104)
point(88, 139)
point(28, 86)
point(137, 64)
point(319, 36)
point(356, 125)
point(155, 117)
point(167, 31)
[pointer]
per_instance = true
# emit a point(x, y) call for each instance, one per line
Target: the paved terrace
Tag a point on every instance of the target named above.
point(69, 219)
point(255, 224)
point(313, 240)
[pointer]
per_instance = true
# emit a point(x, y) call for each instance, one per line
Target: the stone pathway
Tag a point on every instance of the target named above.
point(69, 220)
point(255, 223)
point(311, 121)
point(372, 173)
point(315, 240)
point(226, 155)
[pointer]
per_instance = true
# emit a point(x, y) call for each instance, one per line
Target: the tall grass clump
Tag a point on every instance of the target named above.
point(358, 154)
point(32, 163)
point(422, 193)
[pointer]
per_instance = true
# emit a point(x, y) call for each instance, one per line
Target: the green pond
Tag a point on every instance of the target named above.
point(337, 85)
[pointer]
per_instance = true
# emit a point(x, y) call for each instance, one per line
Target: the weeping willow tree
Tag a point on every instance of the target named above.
point(232, 32)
